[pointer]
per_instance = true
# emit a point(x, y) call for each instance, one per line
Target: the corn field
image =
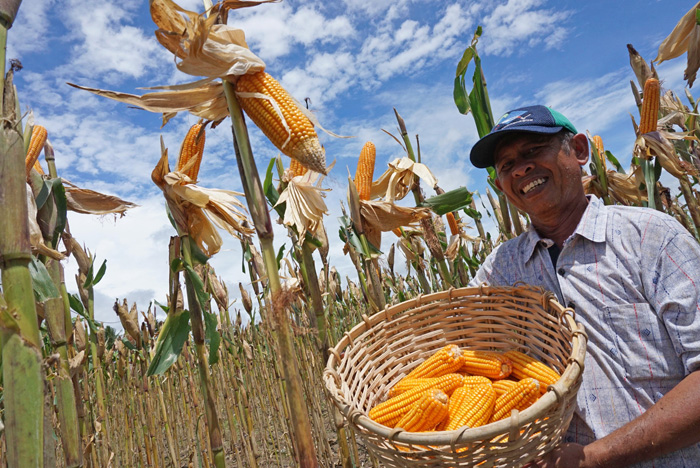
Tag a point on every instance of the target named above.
point(217, 386)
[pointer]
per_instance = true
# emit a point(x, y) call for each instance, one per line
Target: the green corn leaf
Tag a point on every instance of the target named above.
point(615, 162)
point(100, 273)
point(61, 204)
point(171, 339)
point(211, 334)
point(447, 202)
point(43, 285)
point(198, 285)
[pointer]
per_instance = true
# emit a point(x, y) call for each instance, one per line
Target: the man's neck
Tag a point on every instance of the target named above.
point(560, 226)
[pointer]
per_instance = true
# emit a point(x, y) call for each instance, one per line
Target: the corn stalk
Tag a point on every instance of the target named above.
point(261, 218)
point(23, 374)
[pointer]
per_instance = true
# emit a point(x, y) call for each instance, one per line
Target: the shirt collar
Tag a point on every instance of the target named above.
point(592, 226)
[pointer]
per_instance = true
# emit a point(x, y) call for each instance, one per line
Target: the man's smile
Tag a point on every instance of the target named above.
point(533, 184)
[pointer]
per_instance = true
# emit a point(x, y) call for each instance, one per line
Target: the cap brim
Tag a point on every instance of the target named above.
point(481, 154)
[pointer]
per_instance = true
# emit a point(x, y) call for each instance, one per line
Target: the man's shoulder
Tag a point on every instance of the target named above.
point(642, 218)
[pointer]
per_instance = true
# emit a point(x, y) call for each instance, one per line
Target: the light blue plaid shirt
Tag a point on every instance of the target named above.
point(633, 277)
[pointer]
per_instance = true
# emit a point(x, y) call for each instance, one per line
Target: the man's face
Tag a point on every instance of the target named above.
point(540, 174)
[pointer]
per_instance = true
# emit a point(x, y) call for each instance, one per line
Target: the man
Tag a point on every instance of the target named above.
point(632, 275)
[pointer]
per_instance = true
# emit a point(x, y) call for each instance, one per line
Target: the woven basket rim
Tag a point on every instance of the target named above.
point(555, 394)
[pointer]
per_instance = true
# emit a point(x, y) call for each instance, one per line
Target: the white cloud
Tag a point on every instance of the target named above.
point(517, 23)
point(31, 30)
point(109, 43)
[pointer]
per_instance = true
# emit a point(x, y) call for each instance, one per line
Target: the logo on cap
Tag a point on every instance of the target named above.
point(513, 118)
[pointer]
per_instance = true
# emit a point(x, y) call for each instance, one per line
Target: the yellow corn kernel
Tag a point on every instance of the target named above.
point(406, 384)
point(445, 361)
point(527, 366)
point(191, 152)
point(392, 410)
point(298, 139)
point(365, 170)
point(36, 145)
point(503, 385)
point(429, 411)
point(522, 395)
point(486, 363)
point(296, 168)
point(452, 222)
point(471, 406)
point(649, 115)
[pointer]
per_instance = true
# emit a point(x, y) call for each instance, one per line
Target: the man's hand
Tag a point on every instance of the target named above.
point(564, 456)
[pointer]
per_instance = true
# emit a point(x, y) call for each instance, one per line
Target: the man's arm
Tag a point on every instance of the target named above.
point(669, 425)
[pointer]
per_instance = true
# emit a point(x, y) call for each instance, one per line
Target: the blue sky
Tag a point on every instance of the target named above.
point(356, 60)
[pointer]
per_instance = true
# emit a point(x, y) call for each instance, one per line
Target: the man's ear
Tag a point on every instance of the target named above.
point(498, 184)
point(579, 145)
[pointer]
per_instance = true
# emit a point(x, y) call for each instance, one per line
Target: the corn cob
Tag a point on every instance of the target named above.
point(392, 410)
point(426, 413)
point(191, 152)
point(527, 366)
point(36, 144)
point(470, 406)
point(598, 143)
point(397, 231)
point(522, 395)
point(452, 222)
point(365, 170)
point(298, 139)
point(38, 168)
point(503, 385)
point(486, 363)
point(405, 385)
point(649, 115)
point(445, 361)
point(296, 168)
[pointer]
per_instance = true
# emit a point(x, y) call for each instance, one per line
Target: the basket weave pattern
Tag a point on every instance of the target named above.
point(377, 353)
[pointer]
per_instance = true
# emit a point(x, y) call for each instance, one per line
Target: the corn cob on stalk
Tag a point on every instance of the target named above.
point(426, 413)
point(503, 385)
point(447, 360)
point(365, 170)
point(296, 168)
point(486, 363)
point(405, 385)
point(392, 410)
point(470, 406)
point(649, 114)
point(36, 145)
point(452, 222)
point(527, 366)
point(522, 395)
point(297, 139)
point(191, 152)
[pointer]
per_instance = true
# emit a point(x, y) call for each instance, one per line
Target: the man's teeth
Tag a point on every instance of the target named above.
point(532, 185)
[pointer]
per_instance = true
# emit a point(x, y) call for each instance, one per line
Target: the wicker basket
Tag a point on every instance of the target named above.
point(376, 354)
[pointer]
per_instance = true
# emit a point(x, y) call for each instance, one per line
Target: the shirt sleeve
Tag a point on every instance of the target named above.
point(672, 280)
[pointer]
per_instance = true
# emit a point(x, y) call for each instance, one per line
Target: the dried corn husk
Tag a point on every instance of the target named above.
point(304, 205)
point(195, 208)
point(128, 319)
point(684, 37)
point(383, 216)
point(36, 238)
point(659, 144)
point(79, 335)
point(398, 179)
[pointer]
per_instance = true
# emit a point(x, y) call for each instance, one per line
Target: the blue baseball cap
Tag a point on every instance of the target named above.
point(533, 119)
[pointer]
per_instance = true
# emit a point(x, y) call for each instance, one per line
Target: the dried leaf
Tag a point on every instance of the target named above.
point(304, 207)
point(679, 40)
point(398, 179)
point(659, 144)
point(204, 98)
point(90, 202)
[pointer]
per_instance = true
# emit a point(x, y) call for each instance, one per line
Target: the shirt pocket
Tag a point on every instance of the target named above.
point(643, 346)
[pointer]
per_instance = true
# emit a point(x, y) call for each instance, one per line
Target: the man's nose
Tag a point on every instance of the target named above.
point(521, 168)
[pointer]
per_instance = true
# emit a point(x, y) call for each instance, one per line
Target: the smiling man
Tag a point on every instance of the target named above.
point(632, 275)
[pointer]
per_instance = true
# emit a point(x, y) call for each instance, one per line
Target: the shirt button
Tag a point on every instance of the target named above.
point(561, 272)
